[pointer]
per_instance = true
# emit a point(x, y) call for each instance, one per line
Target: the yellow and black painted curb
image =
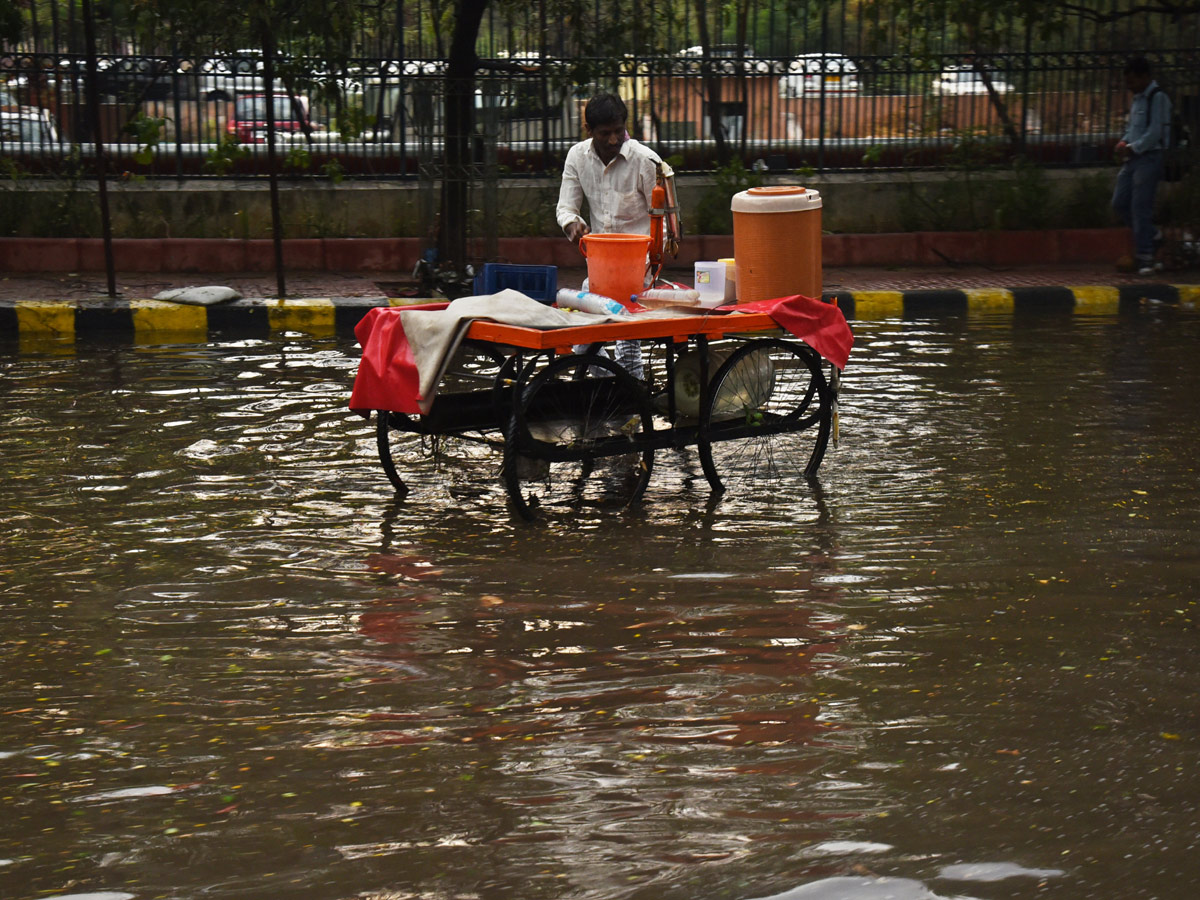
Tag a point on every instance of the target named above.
point(153, 321)
point(1085, 300)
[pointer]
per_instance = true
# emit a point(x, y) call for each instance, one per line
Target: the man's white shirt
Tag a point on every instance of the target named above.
point(618, 194)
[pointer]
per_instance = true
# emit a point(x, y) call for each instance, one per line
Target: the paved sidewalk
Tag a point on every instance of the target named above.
point(66, 305)
point(93, 285)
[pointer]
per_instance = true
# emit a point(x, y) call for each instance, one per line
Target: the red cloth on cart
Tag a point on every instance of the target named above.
point(388, 378)
point(387, 374)
point(819, 324)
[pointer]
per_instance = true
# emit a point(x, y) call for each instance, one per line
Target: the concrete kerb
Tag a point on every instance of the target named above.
point(153, 321)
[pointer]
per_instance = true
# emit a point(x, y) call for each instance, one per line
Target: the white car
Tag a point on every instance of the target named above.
point(958, 80)
point(725, 59)
point(813, 73)
point(223, 78)
point(393, 69)
point(30, 126)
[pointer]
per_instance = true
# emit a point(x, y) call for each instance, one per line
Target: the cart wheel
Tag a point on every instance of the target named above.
point(767, 419)
point(574, 437)
point(403, 445)
point(394, 444)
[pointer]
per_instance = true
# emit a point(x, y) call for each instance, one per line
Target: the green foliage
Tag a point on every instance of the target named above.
point(1087, 204)
point(972, 152)
point(12, 26)
point(14, 210)
point(983, 191)
point(713, 215)
point(298, 159)
point(334, 171)
point(1181, 200)
point(925, 27)
point(148, 133)
point(1020, 202)
point(532, 212)
point(955, 201)
point(352, 121)
point(48, 207)
point(221, 159)
point(326, 28)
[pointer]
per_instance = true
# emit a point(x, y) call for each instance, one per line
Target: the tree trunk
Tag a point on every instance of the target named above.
point(460, 101)
point(998, 104)
point(712, 85)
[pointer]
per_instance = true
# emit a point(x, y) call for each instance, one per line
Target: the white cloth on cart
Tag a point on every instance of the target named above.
point(435, 334)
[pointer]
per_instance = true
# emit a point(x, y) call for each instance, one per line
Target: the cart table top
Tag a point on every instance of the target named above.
point(678, 328)
point(400, 376)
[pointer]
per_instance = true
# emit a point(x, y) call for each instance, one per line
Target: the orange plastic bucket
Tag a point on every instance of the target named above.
point(616, 264)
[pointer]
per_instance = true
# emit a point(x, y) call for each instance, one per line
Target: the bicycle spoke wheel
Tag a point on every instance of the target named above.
point(574, 438)
point(407, 448)
point(767, 419)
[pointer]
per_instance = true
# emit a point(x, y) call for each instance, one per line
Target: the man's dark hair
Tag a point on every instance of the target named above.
point(1137, 65)
point(605, 109)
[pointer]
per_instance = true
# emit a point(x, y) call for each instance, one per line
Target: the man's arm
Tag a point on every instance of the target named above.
point(570, 200)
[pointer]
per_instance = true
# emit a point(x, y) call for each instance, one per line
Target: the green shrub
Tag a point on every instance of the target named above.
point(712, 214)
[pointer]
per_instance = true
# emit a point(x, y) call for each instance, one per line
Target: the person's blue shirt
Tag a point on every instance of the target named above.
point(1149, 121)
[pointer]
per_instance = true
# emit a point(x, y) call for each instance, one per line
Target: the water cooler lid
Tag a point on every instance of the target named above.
point(776, 198)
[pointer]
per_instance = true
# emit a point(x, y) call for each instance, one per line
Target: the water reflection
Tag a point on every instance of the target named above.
point(961, 667)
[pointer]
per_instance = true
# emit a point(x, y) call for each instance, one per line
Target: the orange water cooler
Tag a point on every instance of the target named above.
point(777, 242)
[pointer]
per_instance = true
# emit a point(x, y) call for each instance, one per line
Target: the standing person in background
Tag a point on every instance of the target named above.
point(1140, 151)
point(616, 175)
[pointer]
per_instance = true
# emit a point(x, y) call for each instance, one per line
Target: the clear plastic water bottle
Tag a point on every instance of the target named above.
point(586, 301)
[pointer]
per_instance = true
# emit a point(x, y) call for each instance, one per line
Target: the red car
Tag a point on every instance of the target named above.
point(249, 120)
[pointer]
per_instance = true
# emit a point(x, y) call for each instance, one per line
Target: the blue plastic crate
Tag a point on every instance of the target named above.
point(538, 282)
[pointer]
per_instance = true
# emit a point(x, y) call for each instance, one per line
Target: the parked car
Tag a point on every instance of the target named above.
point(30, 127)
point(134, 79)
point(957, 80)
point(127, 78)
point(224, 77)
point(725, 59)
point(411, 67)
point(249, 121)
point(812, 73)
point(69, 74)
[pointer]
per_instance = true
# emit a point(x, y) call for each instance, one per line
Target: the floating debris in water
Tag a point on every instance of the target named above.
point(994, 872)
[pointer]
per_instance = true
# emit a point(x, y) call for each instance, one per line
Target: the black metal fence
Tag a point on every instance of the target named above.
point(820, 86)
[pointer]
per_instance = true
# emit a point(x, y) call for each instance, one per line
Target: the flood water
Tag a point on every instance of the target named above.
point(965, 667)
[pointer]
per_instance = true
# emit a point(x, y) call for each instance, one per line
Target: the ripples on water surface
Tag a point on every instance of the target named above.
point(232, 667)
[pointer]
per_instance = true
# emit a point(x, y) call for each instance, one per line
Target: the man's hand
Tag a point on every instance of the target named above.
point(1123, 152)
point(576, 230)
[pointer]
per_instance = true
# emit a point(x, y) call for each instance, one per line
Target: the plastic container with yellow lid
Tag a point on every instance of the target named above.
point(777, 242)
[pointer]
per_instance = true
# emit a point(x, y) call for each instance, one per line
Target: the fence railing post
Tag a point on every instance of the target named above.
point(93, 106)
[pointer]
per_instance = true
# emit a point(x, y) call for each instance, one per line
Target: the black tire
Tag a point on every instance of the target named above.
point(572, 438)
point(402, 443)
point(767, 420)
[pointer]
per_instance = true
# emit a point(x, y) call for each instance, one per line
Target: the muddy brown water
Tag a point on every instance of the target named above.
point(964, 666)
